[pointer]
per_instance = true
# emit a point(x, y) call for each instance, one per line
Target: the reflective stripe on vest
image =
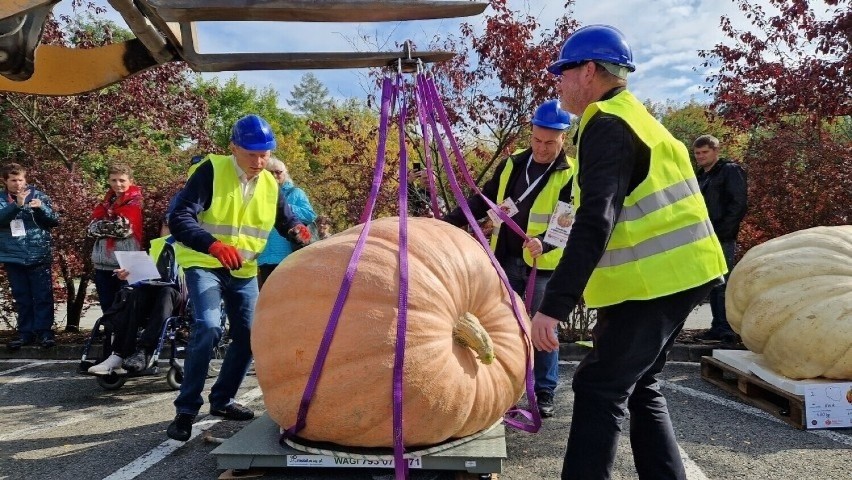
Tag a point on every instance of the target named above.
point(662, 242)
point(542, 208)
point(229, 219)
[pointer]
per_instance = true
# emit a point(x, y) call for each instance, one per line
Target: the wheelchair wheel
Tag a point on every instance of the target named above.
point(217, 356)
point(111, 381)
point(174, 377)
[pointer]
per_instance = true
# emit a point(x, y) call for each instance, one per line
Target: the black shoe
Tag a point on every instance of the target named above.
point(709, 336)
point(181, 428)
point(545, 404)
point(48, 342)
point(234, 411)
point(136, 362)
point(730, 340)
point(17, 344)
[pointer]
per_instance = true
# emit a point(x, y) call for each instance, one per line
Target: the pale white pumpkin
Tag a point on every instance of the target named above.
point(791, 300)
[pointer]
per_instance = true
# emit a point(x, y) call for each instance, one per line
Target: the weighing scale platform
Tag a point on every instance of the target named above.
point(256, 446)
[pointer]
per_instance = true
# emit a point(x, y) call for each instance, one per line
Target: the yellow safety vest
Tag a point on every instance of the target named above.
point(156, 248)
point(663, 242)
point(543, 206)
point(232, 221)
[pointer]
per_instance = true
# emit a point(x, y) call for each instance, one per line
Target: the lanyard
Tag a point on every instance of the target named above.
point(532, 185)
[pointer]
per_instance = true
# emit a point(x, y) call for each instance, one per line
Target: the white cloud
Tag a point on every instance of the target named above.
point(666, 36)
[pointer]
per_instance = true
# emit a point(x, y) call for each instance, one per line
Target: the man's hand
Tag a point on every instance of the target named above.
point(300, 234)
point(121, 273)
point(21, 197)
point(227, 255)
point(35, 203)
point(534, 246)
point(544, 333)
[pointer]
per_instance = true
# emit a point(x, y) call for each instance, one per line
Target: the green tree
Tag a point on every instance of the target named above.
point(688, 121)
point(310, 97)
point(228, 102)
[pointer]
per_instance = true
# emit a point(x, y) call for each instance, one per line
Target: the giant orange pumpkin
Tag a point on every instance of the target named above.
point(465, 354)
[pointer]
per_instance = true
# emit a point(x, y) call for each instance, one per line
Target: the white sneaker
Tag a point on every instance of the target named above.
point(111, 365)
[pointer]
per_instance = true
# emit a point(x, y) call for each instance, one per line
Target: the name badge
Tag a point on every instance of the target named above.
point(508, 207)
point(560, 225)
point(18, 228)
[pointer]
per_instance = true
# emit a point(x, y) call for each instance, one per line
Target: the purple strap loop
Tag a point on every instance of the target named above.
point(426, 88)
point(427, 153)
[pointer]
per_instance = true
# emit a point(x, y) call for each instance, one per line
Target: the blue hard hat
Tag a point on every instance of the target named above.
point(601, 43)
point(253, 133)
point(549, 115)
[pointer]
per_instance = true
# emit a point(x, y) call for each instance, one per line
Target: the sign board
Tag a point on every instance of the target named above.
point(828, 405)
point(329, 461)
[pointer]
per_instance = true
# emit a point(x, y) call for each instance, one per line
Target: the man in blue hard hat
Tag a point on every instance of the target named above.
point(221, 220)
point(642, 251)
point(533, 187)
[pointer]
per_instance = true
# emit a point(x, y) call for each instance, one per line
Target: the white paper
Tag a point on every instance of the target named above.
point(18, 228)
point(139, 264)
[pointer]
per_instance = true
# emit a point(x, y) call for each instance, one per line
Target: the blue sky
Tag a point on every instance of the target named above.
point(665, 35)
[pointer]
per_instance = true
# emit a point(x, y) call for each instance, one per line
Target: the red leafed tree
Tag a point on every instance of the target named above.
point(498, 77)
point(490, 89)
point(788, 82)
point(67, 142)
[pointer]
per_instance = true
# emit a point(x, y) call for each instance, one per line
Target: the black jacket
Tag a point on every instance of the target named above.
point(508, 243)
point(724, 190)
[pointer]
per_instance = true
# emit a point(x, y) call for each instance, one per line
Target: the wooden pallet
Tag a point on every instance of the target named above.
point(780, 403)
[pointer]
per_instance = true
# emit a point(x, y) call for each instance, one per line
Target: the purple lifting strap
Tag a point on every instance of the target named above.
point(387, 92)
point(426, 88)
point(400, 464)
point(428, 106)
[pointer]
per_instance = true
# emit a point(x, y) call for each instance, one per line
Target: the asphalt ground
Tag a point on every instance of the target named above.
point(56, 424)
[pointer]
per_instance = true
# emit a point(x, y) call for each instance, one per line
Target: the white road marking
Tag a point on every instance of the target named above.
point(23, 367)
point(33, 364)
point(97, 411)
point(693, 471)
point(748, 409)
point(25, 360)
point(163, 450)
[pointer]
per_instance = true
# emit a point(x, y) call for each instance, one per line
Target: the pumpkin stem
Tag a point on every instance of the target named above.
point(468, 332)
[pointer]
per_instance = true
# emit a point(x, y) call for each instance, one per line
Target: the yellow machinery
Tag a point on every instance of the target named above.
point(166, 31)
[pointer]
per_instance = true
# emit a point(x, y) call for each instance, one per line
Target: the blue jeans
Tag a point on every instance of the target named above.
point(717, 295)
point(545, 364)
point(207, 289)
point(32, 289)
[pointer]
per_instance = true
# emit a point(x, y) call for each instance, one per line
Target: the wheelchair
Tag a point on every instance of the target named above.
point(174, 333)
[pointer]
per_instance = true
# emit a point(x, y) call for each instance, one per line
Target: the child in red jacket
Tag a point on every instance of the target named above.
point(117, 226)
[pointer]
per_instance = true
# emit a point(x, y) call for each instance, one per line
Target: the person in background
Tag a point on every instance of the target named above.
point(147, 305)
point(116, 226)
point(26, 218)
point(641, 250)
point(530, 185)
point(323, 224)
point(221, 220)
point(277, 247)
point(723, 185)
